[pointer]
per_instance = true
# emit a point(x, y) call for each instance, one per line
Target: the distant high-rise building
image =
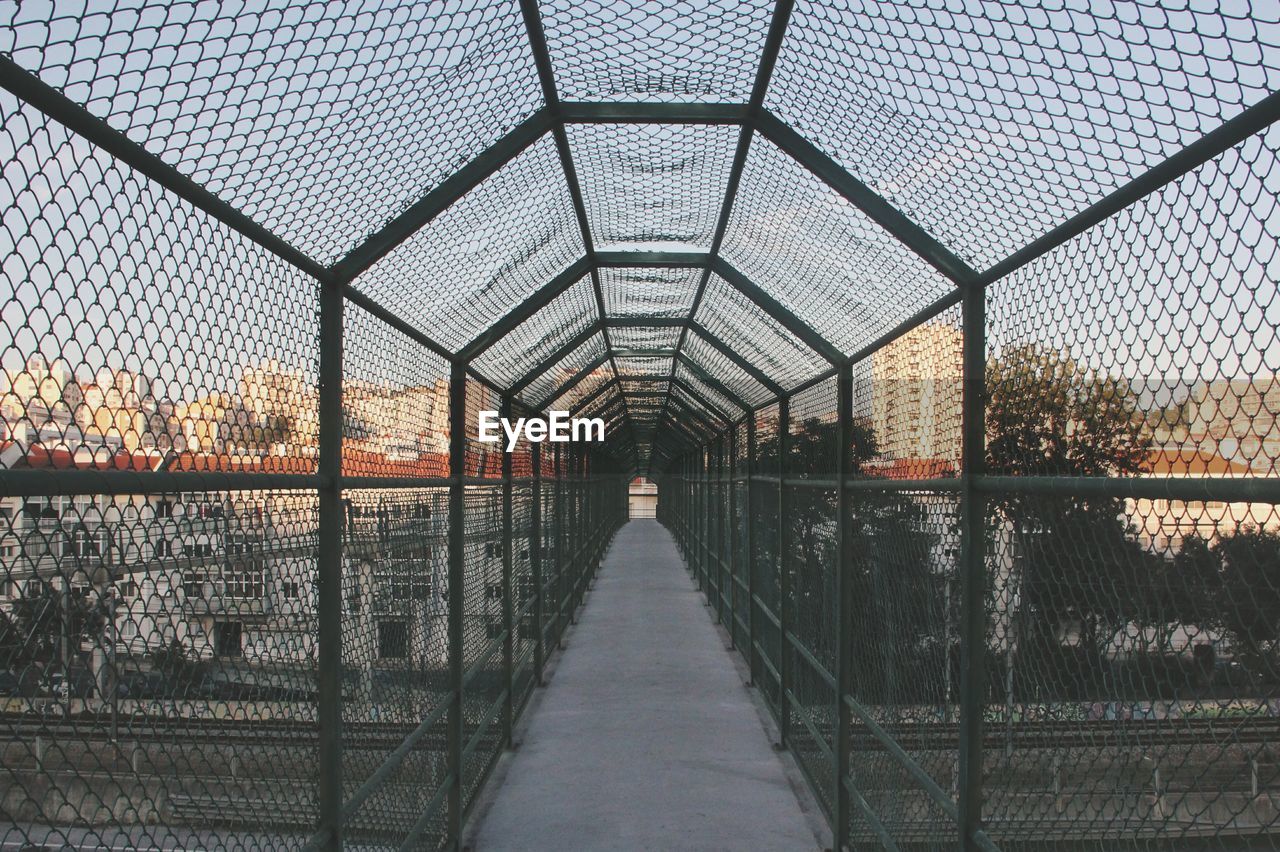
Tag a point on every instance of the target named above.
point(915, 393)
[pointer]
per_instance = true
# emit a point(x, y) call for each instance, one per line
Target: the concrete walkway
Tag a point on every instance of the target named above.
point(646, 737)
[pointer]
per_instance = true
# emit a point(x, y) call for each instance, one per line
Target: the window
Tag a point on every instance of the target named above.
point(393, 640)
point(198, 549)
point(128, 630)
point(493, 591)
point(164, 548)
point(493, 629)
point(245, 582)
point(289, 589)
point(228, 639)
point(164, 509)
point(193, 584)
point(241, 545)
point(128, 589)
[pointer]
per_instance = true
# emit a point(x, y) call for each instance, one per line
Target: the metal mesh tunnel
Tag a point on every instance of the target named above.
point(947, 331)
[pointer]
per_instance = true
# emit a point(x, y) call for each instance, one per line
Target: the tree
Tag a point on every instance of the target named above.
point(1049, 416)
point(1248, 600)
point(44, 617)
point(175, 662)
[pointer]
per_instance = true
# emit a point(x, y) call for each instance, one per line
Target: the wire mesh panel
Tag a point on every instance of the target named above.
point(652, 185)
point(491, 249)
point(820, 256)
point(684, 52)
point(138, 333)
point(482, 620)
point(394, 654)
point(759, 338)
point(630, 340)
point(395, 403)
point(159, 658)
point(538, 337)
point(648, 292)
point(320, 123)
point(1122, 624)
point(567, 369)
point(989, 125)
point(809, 605)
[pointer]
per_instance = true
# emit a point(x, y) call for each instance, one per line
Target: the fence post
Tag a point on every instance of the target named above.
point(784, 583)
point(457, 566)
point(844, 608)
point(973, 665)
point(508, 661)
point(748, 504)
point(535, 561)
point(733, 538)
point(329, 566)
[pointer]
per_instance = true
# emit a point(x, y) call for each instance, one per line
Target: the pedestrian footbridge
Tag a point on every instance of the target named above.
point(943, 334)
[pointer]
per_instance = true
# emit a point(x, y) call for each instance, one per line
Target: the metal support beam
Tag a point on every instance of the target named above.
point(572, 382)
point(508, 596)
point(329, 567)
point(546, 77)
point(741, 363)
point(861, 196)
point(562, 352)
point(57, 106)
point(713, 383)
point(457, 565)
point(582, 112)
point(645, 322)
point(973, 568)
point(535, 566)
point(591, 397)
point(844, 604)
point(1253, 120)
point(748, 505)
point(521, 312)
point(784, 582)
point(775, 309)
point(442, 196)
point(660, 259)
point(700, 397)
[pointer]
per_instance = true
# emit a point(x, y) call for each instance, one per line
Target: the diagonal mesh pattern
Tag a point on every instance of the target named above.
point(226, 520)
point(704, 389)
point(493, 248)
point(643, 365)
point(821, 257)
point(715, 364)
point(649, 292)
point(652, 185)
point(568, 314)
point(989, 125)
point(1114, 338)
point(566, 369)
point(634, 339)
point(138, 332)
point(682, 52)
point(395, 400)
point(759, 338)
point(319, 122)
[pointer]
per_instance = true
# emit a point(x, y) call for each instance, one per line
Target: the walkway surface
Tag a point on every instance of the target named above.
point(645, 737)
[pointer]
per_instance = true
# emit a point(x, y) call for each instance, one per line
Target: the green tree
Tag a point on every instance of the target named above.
point(1079, 561)
point(43, 617)
point(1248, 599)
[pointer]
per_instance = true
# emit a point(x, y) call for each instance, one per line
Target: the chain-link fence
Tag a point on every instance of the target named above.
point(948, 331)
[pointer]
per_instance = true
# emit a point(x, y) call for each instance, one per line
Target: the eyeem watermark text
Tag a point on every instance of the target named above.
point(558, 428)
